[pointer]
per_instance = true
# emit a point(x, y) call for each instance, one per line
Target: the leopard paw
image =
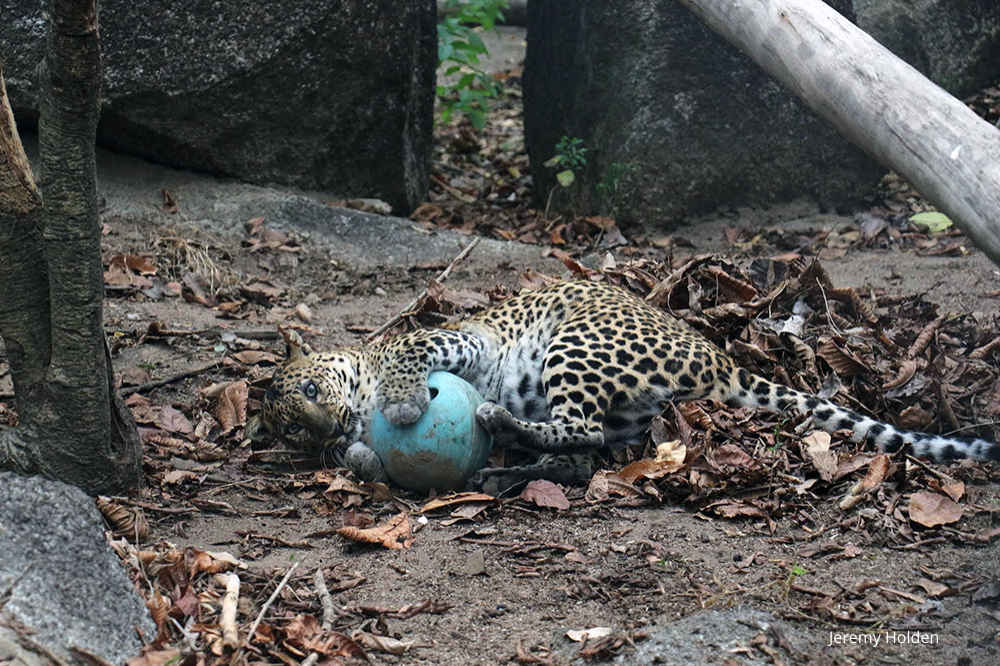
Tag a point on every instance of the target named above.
point(404, 411)
point(492, 481)
point(364, 462)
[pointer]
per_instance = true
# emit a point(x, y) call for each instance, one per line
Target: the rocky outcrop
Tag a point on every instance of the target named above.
point(954, 43)
point(333, 96)
point(695, 123)
point(59, 579)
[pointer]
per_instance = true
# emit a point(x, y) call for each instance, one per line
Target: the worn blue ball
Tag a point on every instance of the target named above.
point(444, 447)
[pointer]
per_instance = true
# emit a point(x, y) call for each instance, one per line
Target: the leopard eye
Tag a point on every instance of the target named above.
point(293, 429)
point(311, 390)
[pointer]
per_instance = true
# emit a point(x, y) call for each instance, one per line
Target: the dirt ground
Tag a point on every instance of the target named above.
point(505, 585)
point(519, 575)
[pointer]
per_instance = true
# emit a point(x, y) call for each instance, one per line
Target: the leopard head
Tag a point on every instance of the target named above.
point(307, 404)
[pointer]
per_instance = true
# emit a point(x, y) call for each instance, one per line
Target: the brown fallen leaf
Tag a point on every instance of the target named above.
point(396, 534)
point(254, 357)
point(843, 361)
point(457, 498)
point(817, 449)
point(155, 658)
point(231, 407)
point(127, 522)
point(932, 509)
point(172, 420)
point(673, 452)
point(170, 206)
point(544, 493)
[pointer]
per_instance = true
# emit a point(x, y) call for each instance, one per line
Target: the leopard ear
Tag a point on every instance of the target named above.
point(255, 430)
point(294, 347)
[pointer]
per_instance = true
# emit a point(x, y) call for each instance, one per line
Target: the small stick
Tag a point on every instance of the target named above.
point(190, 372)
point(423, 294)
point(329, 614)
point(267, 604)
point(230, 634)
point(928, 468)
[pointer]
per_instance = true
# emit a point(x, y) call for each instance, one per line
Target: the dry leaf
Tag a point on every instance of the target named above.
point(932, 509)
point(844, 362)
point(581, 635)
point(457, 498)
point(172, 420)
point(544, 493)
point(695, 415)
point(671, 452)
point(730, 455)
point(126, 522)
point(394, 534)
point(231, 407)
point(648, 469)
point(170, 206)
point(817, 445)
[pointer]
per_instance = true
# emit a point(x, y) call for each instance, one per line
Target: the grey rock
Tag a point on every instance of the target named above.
point(64, 581)
point(334, 96)
point(954, 43)
point(131, 190)
point(645, 83)
point(704, 638)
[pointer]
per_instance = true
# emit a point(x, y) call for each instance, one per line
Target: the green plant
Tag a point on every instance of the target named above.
point(616, 175)
point(459, 50)
point(570, 157)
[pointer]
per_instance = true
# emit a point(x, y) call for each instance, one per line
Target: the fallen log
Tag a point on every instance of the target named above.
point(876, 100)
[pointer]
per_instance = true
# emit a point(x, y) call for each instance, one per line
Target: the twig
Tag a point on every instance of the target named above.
point(455, 192)
point(928, 468)
point(190, 372)
point(423, 294)
point(267, 604)
point(227, 620)
point(329, 614)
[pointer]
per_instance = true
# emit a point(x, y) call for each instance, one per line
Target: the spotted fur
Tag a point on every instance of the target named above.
point(565, 369)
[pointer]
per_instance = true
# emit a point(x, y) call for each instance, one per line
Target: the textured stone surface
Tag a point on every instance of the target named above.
point(709, 637)
point(334, 96)
point(643, 82)
point(63, 579)
point(955, 43)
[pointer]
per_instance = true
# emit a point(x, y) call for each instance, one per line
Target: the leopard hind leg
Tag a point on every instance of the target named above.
point(567, 431)
point(566, 469)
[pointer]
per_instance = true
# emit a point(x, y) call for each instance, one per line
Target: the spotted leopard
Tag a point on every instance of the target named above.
point(565, 369)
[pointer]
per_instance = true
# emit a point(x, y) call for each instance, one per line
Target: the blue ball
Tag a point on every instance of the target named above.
point(444, 447)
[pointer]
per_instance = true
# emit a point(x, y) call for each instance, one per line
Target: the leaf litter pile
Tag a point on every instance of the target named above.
point(895, 358)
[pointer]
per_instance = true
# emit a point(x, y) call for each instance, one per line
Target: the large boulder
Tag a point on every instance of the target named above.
point(955, 43)
point(60, 580)
point(646, 84)
point(335, 96)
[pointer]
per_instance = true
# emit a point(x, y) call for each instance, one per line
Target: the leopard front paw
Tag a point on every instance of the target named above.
point(405, 410)
point(364, 462)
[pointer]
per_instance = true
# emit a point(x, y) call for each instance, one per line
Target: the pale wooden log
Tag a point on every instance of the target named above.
point(879, 102)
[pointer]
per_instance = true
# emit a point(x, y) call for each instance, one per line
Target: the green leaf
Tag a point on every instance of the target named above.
point(553, 161)
point(798, 571)
point(934, 221)
point(477, 118)
point(566, 177)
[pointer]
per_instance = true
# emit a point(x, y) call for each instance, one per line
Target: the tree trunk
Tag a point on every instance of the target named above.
point(72, 424)
point(885, 106)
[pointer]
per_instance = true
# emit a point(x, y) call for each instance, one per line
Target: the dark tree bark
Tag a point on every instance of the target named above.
point(72, 424)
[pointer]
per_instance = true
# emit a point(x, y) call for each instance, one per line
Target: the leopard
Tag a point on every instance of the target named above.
point(565, 370)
